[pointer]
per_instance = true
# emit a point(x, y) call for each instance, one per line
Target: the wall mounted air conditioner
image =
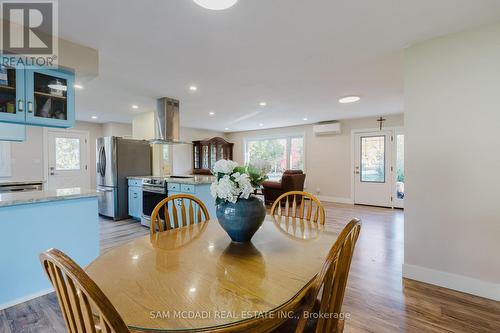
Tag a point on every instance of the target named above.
point(327, 128)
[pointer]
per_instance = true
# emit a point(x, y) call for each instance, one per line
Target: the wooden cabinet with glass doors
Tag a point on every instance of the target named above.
point(207, 152)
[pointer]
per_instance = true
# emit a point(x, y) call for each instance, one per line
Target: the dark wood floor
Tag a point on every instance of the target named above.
point(377, 298)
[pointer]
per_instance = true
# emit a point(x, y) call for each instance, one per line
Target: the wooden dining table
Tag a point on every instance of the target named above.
point(194, 279)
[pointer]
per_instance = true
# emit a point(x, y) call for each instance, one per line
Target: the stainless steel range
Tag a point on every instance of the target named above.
point(154, 190)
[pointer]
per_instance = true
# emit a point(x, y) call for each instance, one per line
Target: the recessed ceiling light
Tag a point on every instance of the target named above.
point(349, 99)
point(135, 106)
point(78, 86)
point(261, 124)
point(305, 119)
point(226, 129)
point(94, 117)
point(193, 88)
point(216, 4)
point(211, 113)
point(262, 103)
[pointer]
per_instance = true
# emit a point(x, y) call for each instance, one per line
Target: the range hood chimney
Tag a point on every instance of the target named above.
point(167, 122)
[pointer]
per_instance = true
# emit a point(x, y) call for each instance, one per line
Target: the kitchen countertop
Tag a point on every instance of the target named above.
point(193, 180)
point(23, 198)
point(25, 182)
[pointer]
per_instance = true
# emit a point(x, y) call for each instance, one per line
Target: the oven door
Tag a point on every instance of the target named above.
point(151, 196)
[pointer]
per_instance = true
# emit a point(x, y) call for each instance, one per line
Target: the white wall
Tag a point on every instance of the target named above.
point(328, 158)
point(117, 129)
point(27, 158)
point(452, 217)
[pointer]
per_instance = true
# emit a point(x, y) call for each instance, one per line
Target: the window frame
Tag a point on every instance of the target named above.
point(287, 136)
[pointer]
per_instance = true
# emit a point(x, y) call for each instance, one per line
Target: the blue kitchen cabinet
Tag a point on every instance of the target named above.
point(50, 98)
point(135, 198)
point(12, 101)
point(201, 191)
point(12, 132)
point(41, 97)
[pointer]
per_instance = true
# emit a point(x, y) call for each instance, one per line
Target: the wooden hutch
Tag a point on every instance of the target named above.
point(207, 152)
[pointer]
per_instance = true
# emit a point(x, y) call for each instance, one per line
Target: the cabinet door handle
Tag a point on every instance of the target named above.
point(30, 107)
point(20, 105)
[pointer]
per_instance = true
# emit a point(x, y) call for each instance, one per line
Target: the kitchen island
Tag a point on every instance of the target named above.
point(30, 223)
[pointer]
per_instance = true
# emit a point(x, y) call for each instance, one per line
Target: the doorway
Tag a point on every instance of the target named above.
point(374, 181)
point(67, 159)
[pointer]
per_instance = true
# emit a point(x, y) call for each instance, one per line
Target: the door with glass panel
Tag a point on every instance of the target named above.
point(399, 169)
point(67, 159)
point(373, 168)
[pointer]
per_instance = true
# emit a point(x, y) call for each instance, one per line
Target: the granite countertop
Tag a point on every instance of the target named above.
point(23, 198)
point(192, 180)
point(25, 182)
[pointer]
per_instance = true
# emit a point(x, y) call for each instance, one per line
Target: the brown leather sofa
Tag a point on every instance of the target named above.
point(292, 180)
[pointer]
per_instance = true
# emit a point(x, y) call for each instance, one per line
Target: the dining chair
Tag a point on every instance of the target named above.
point(189, 214)
point(299, 204)
point(331, 282)
point(84, 306)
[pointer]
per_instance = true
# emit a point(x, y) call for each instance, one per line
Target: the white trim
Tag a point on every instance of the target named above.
point(335, 199)
point(453, 281)
point(25, 299)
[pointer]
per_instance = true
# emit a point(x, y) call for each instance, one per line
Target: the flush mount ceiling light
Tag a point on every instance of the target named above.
point(94, 117)
point(349, 99)
point(216, 4)
point(135, 106)
point(57, 85)
point(193, 88)
point(211, 113)
point(262, 103)
point(78, 86)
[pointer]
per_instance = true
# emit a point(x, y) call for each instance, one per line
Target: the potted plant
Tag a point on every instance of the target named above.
point(239, 212)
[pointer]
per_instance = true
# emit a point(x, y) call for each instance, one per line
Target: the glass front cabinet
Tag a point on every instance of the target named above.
point(207, 152)
point(42, 97)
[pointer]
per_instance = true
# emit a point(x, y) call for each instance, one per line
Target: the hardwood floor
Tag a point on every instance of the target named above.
point(377, 299)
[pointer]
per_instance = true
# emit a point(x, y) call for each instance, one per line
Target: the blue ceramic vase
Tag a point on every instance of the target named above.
point(242, 219)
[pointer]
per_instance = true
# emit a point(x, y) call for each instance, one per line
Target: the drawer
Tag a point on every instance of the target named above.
point(173, 187)
point(135, 182)
point(187, 188)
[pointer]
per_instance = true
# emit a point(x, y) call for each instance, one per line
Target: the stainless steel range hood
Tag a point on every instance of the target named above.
point(167, 122)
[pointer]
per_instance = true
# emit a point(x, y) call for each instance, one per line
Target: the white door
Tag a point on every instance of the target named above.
point(67, 159)
point(372, 168)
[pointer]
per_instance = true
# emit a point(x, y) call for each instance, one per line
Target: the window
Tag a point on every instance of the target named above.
point(67, 154)
point(373, 159)
point(400, 166)
point(278, 154)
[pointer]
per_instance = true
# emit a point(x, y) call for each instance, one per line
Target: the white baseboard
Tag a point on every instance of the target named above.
point(335, 199)
point(25, 299)
point(453, 281)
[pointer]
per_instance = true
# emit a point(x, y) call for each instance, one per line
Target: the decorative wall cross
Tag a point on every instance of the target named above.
point(381, 121)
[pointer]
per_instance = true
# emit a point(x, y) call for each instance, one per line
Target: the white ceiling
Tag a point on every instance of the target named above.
point(299, 56)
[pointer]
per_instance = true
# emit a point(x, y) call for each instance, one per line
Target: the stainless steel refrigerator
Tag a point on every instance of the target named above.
point(118, 158)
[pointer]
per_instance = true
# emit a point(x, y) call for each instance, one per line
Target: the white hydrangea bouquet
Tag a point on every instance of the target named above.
point(234, 182)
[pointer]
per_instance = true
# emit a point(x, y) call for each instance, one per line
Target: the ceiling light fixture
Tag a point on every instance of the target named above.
point(94, 117)
point(193, 88)
point(216, 4)
point(349, 99)
point(78, 86)
point(135, 106)
point(262, 103)
point(261, 124)
point(57, 85)
point(305, 119)
point(211, 113)
point(226, 129)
